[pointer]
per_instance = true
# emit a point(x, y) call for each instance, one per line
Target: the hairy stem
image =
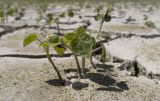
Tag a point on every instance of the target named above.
point(91, 61)
point(83, 64)
point(58, 29)
point(76, 58)
point(78, 65)
point(100, 28)
point(69, 19)
point(50, 60)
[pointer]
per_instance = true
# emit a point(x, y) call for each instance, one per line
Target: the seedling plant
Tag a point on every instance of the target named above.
point(80, 43)
point(103, 18)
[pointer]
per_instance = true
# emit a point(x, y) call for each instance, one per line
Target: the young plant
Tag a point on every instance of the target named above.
point(98, 9)
point(104, 18)
point(51, 41)
point(2, 15)
point(40, 16)
point(98, 50)
point(49, 19)
point(149, 24)
point(8, 10)
point(80, 43)
point(70, 14)
point(87, 23)
point(55, 19)
point(130, 19)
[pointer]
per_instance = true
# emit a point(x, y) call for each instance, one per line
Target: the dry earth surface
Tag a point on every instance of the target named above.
point(26, 75)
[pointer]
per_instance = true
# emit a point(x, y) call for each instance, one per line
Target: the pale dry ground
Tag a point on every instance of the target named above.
point(146, 51)
point(24, 79)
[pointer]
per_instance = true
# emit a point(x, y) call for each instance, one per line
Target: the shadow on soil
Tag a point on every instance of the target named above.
point(107, 82)
point(55, 82)
point(104, 68)
point(75, 85)
point(74, 70)
point(79, 85)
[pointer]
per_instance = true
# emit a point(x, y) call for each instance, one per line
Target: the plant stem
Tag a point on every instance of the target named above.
point(79, 68)
point(97, 49)
point(58, 29)
point(83, 64)
point(50, 60)
point(91, 61)
point(68, 19)
point(100, 28)
point(76, 58)
point(91, 58)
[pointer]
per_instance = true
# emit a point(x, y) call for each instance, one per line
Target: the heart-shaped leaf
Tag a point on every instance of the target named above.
point(29, 39)
point(81, 30)
point(107, 17)
point(44, 44)
point(98, 17)
point(82, 45)
point(69, 37)
point(54, 39)
point(60, 49)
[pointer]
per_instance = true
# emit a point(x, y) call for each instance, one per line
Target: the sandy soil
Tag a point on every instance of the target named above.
point(26, 79)
point(37, 82)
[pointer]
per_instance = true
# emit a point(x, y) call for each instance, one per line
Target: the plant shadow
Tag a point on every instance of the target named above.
point(79, 85)
point(108, 83)
point(104, 67)
point(122, 85)
point(115, 89)
point(101, 79)
point(74, 70)
point(56, 82)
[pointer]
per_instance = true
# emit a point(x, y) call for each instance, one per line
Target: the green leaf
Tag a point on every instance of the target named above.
point(70, 13)
point(88, 23)
point(62, 15)
point(49, 15)
point(29, 39)
point(107, 17)
point(82, 45)
point(54, 39)
point(81, 30)
point(98, 17)
point(49, 19)
point(149, 24)
point(69, 37)
point(10, 12)
point(44, 44)
point(60, 49)
point(1, 13)
point(98, 9)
